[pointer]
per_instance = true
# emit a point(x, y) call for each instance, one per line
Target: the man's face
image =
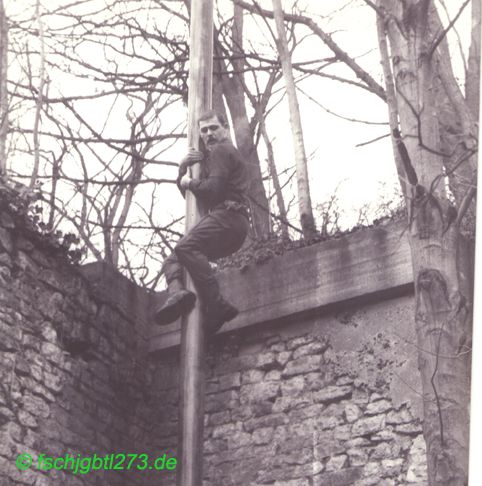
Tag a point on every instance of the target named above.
point(212, 132)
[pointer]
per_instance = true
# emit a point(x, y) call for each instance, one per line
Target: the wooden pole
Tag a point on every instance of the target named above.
point(192, 378)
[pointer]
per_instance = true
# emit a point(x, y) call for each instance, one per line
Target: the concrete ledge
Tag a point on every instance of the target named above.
point(374, 262)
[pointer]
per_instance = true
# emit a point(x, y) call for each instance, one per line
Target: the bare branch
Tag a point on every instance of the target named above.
point(442, 34)
point(327, 39)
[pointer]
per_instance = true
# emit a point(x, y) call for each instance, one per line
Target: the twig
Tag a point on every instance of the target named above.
point(438, 40)
point(381, 137)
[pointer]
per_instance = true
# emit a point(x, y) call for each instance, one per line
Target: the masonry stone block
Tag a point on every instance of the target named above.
point(402, 416)
point(413, 428)
point(291, 403)
point(377, 407)
point(313, 348)
point(303, 364)
point(5, 241)
point(417, 470)
point(272, 420)
point(369, 425)
point(263, 435)
point(333, 393)
point(352, 412)
point(306, 411)
point(293, 387)
point(258, 392)
point(339, 478)
point(358, 456)
point(273, 375)
point(295, 482)
point(392, 467)
point(267, 361)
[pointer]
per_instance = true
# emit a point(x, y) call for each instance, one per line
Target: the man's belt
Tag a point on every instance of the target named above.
point(234, 206)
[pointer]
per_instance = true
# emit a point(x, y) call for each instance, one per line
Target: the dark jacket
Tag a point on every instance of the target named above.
point(223, 177)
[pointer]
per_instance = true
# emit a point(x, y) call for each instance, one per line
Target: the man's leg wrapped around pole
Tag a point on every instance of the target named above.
point(179, 300)
point(217, 235)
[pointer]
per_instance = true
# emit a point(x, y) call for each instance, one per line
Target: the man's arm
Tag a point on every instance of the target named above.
point(193, 156)
point(213, 187)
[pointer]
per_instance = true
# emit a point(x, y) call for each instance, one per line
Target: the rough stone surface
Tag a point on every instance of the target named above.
point(309, 419)
point(295, 404)
point(73, 374)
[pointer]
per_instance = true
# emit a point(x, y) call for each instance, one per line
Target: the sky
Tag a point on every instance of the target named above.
point(358, 175)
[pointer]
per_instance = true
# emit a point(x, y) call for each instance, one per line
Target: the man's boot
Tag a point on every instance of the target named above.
point(217, 313)
point(179, 302)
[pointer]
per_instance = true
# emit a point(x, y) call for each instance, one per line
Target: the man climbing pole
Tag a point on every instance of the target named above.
point(221, 192)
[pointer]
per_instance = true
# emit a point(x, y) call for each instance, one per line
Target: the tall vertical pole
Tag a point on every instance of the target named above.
point(192, 378)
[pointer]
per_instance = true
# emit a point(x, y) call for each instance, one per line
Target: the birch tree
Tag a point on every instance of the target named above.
point(39, 101)
point(304, 198)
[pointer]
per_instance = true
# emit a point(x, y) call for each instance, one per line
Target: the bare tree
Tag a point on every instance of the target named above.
point(434, 133)
point(230, 93)
point(472, 78)
point(89, 173)
point(3, 88)
point(88, 170)
point(232, 83)
point(273, 174)
point(40, 94)
point(418, 73)
point(304, 197)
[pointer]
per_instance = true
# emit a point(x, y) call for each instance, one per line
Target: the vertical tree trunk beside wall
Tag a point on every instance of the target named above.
point(39, 101)
point(472, 80)
point(457, 116)
point(306, 211)
point(3, 88)
point(443, 300)
point(273, 173)
point(231, 85)
point(234, 91)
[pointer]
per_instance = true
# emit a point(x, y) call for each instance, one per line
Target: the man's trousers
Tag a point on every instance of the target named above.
point(218, 234)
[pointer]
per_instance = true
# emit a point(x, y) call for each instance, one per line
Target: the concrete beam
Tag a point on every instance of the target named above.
point(367, 264)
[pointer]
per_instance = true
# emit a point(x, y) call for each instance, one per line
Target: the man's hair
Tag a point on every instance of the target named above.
point(206, 115)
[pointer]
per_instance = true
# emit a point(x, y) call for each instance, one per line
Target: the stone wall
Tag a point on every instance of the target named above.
point(72, 373)
point(327, 398)
point(329, 401)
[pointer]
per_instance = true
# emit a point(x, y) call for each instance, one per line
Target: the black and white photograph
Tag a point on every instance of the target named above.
point(238, 243)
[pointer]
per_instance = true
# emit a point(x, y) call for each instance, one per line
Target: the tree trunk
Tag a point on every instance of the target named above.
point(3, 89)
point(245, 143)
point(472, 80)
point(456, 118)
point(304, 198)
point(231, 85)
point(234, 91)
point(283, 215)
point(39, 102)
point(443, 302)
